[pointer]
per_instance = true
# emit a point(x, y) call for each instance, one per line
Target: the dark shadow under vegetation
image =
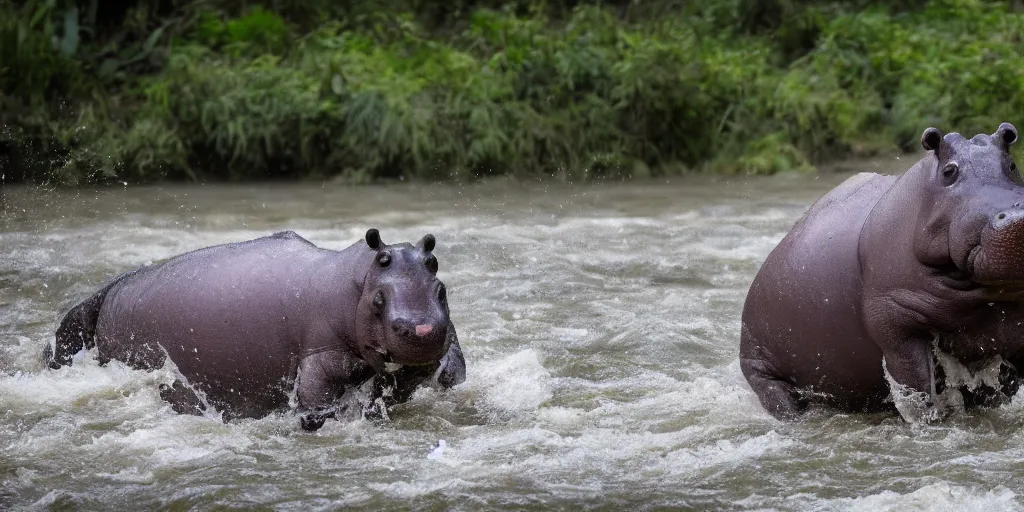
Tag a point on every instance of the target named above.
point(237, 90)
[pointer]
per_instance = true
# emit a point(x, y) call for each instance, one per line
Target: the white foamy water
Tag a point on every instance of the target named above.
point(600, 326)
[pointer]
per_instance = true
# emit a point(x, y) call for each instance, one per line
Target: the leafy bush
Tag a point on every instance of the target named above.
point(365, 91)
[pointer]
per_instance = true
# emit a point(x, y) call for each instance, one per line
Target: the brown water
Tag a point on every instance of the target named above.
point(600, 325)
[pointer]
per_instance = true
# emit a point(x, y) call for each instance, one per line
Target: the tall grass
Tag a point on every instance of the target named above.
point(240, 91)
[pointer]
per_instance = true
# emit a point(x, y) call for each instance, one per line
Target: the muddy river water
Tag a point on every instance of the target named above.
point(600, 325)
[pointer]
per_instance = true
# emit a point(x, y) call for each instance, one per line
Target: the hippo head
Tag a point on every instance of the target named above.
point(973, 208)
point(403, 313)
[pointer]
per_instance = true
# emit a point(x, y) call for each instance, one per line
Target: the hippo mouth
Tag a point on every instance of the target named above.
point(389, 361)
point(960, 275)
point(977, 272)
point(386, 363)
point(972, 259)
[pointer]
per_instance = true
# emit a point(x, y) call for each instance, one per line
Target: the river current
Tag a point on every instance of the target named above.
point(600, 325)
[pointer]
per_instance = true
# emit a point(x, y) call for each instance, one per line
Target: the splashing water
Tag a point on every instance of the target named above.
point(600, 325)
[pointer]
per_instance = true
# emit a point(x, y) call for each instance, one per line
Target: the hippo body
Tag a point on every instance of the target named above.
point(890, 286)
point(247, 323)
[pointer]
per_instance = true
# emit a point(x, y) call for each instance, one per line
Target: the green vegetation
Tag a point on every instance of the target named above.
point(225, 89)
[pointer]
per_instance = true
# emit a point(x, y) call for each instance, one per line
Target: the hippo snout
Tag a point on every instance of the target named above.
point(422, 332)
point(417, 341)
point(1007, 218)
point(412, 329)
point(999, 258)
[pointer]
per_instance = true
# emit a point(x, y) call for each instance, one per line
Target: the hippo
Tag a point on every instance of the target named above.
point(250, 324)
point(897, 293)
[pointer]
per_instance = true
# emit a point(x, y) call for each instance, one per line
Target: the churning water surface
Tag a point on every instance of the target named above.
point(600, 325)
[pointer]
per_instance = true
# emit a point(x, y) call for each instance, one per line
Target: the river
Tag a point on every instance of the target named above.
point(600, 325)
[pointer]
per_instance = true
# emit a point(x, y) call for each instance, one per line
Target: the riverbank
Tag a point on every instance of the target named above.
point(210, 91)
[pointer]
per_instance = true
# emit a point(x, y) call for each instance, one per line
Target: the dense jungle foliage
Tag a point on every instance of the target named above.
point(142, 90)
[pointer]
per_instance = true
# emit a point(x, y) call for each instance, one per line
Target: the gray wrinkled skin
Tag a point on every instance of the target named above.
point(247, 323)
point(896, 268)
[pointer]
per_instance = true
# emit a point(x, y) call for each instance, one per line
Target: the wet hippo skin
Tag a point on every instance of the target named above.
point(893, 275)
point(248, 323)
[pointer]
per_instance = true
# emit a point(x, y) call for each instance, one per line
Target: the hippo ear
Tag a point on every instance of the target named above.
point(426, 243)
point(1007, 133)
point(373, 239)
point(931, 138)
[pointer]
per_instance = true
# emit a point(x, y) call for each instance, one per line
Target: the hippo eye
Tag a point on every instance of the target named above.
point(378, 302)
point(431, 263)
point(950, 173)
point(384, 259)
point(442, 294)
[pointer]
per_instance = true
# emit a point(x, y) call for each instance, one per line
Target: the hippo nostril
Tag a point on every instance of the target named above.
point(1005, 219)
point(400, 329)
